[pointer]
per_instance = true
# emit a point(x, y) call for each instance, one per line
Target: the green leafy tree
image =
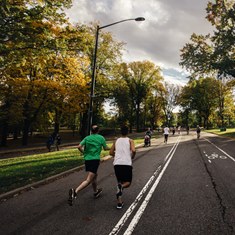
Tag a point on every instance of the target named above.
point(169, 97)
point(108, 56)
point(201, 96)
point(131, 88)
point(213, 53)
point(154, 105)
point(32, 35)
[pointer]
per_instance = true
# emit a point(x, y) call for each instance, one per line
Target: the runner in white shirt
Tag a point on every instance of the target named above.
point(166, 133)
point(123, 150)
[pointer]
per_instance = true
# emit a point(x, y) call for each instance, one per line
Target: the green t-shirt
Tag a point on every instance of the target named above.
point(92, 146)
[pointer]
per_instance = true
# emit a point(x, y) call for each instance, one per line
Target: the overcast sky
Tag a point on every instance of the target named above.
point(167, 27)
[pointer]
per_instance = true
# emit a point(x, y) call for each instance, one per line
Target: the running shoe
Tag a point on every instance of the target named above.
point(98, 192)
point(119, 190)
point(72, 196)
point(120, 205)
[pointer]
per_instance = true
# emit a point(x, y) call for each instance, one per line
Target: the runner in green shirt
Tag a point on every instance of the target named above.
point(91, 147)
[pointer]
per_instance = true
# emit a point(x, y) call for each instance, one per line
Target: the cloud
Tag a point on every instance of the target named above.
point(167, 28)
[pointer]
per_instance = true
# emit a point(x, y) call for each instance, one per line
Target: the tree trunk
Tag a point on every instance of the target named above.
point(26, 128)
point(138, 117)
point(57, 122)
point(4, 134)
point(83, 125)
point(15, 133)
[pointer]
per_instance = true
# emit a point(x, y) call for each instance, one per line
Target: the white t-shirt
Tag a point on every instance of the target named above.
point(166, 131)
point(122, 152)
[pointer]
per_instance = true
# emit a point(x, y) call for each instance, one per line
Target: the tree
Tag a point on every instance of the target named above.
point(135, 82)
point(225, 100)
point(222, 15)
point(201, 95)
point(33, 38)
point(169, 97)
point(206, 55)
point(154, 106)
point(108, 57)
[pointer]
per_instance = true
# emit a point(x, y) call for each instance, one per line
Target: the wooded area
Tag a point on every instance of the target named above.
point(45, 75)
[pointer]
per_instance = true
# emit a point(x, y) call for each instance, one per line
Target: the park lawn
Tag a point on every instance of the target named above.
point(230, 132)
point(20, 171)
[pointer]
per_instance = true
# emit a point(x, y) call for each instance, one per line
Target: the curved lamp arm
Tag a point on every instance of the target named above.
point(136, 19)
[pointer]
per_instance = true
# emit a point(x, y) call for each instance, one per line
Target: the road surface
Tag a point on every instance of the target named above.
point(186, 186)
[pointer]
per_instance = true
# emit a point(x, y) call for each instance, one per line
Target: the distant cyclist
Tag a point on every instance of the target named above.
point(198, 130)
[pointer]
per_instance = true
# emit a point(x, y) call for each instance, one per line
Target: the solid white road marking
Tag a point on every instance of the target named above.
point(122, 221)
point(129, 211)
point(221, 150)
point(144, 204)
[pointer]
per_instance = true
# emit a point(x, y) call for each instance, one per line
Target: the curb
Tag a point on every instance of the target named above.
point(16, 192)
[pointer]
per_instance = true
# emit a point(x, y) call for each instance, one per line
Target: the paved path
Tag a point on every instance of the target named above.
point(183, 187)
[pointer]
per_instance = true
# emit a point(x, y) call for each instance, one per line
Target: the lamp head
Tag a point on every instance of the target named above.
point(139, 19)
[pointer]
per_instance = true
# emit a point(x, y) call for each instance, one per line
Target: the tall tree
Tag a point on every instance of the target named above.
point(169, 97)
point(135, 82)
point(213, 53)
point(202, 96)
point(32, 35)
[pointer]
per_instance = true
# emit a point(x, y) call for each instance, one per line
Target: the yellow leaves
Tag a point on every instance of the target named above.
point(37, 24)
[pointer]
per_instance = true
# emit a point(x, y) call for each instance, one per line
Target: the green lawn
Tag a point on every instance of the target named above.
point(230, 132)
point(20, 171)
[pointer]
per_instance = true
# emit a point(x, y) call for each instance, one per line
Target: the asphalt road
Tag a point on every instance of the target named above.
point(186, 186)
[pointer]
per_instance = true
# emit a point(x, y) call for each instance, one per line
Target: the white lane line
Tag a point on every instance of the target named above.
point(221, 150)
point(176, 143)
point(122, 221)
point(144, 204)
point(131, 208)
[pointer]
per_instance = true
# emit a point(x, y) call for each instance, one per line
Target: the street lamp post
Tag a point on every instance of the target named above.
point(90, 113)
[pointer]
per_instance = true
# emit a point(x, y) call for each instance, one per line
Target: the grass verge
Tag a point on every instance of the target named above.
point(20, 171)
point(230, 132)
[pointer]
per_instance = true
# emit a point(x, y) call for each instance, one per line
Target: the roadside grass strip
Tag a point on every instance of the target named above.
point(230, 132)
point(20, 171)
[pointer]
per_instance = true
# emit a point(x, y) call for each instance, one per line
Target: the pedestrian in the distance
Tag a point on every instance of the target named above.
point(58, 142)
point(166, 133)
point(123, 150)
point(179, 129)
point(198, 130)
point(187, 129)
point(50, 142)
point(91, 147)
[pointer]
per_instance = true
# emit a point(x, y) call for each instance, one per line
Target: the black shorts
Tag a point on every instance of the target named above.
point(92, 165)
point(123, 173)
